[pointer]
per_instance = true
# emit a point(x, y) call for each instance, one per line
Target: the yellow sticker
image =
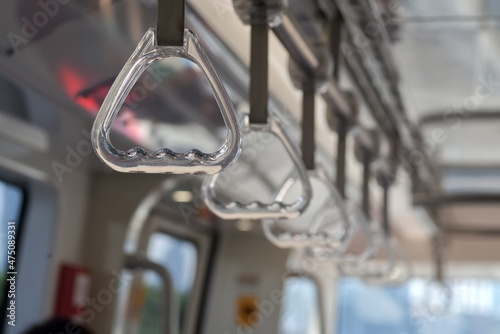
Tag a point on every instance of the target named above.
point(247, 311)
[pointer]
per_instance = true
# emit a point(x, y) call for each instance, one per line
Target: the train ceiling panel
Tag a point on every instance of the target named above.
point(447, 54)
point(467, 143)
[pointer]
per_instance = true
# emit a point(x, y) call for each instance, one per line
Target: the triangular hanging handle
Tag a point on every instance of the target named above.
point(340, 255)
point(256, 209)
point(286, 239)
point(138, 160)
point(398, 271)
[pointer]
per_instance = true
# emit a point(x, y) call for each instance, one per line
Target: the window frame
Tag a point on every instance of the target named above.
point(160, 221)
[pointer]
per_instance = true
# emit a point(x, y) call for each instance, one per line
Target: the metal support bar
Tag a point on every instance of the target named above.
point(464, 231)
point(170, 311)
point(292, 39)
point(436, 200)
point(451, 118)
point(288, 32)
point(389, 115)
point(336, 31)
point(336, 100)
point(383, 118)
point(361, 14)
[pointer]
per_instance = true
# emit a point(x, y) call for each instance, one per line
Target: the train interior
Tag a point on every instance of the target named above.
point(353, 187)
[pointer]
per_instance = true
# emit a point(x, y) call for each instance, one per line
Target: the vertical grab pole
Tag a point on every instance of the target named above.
point(170, 306)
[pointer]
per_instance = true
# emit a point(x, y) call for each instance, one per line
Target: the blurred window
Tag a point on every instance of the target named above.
point(11, 206)
point(300, 309)
point(474, 307)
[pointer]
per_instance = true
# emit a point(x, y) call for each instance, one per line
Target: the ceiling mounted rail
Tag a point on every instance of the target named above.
point(454, 199)
point(378, 85)
point(467, 231)
point(369, 16)
point(453, 117)
point(292, 38)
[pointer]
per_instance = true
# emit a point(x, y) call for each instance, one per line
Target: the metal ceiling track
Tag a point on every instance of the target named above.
point(433, 201)
point(291, 36)
point(373, 69)
point(470, 232)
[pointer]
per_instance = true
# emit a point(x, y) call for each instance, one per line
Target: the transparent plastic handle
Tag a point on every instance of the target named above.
point(258, 210)
point(396, 271)
point(399, 273)
point(438, 298)
point(366, 228)
point(286, 239)
point(341, 255)
point(311, 238)
point(138, 160)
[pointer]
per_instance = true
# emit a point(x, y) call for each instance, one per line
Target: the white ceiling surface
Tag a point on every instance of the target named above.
point(444, 54)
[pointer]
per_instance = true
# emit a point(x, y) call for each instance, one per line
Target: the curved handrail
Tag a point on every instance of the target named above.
point(258, 210)
point(138, 160)
point(170, 323)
